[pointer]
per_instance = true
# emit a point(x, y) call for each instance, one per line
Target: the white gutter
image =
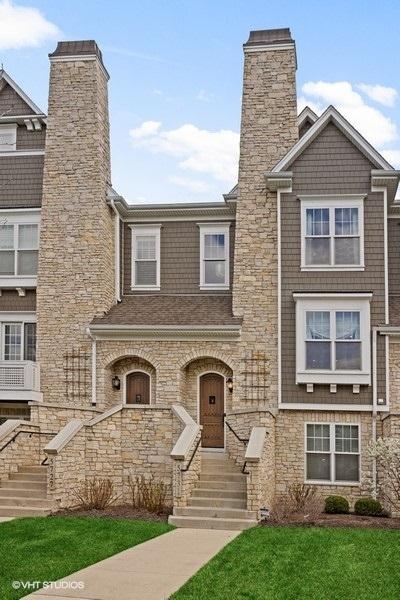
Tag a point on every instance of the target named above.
point(374, 405)
point(117, 265)
point(94, 367)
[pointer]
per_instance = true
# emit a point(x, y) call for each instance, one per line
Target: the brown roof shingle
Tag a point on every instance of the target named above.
point(171, 310)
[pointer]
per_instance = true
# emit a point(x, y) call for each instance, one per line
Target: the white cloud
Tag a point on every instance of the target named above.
point(215, 153)
point(146, 129)
point(204, 96)
point(371, 122)
point(193, 185)
point(379, 93)
point(23, 26)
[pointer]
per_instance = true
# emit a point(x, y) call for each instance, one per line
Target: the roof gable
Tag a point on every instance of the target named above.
point(331, 115)
point(13, 100)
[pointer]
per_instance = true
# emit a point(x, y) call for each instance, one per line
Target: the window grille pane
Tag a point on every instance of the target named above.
point(214, 246)
point(347, 251)
point(30, 341)
point(12, 341)
point(318, 325)
point(318, 251)
point(146, 273)
point(318, 355)
point(346, 438)
point(27, 262)
point(7, 263)
point(214, 272)
point(6, 237)
point(318, 438)
point(27, 236)
point(146, 247)
point(317, 221)
point(318, 467)
point(347, 467)
point(348, 355)
point(346, 221)
point(347, 325)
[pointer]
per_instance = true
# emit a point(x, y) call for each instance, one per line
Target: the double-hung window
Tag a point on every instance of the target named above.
point(214, 256)
point(146, 257)
point(18, 341)
point(19, 245)
point(332, 234)
point(333, 338)
point(8, 137)
point(332, 453)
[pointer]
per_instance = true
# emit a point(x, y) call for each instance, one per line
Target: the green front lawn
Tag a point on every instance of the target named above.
point(48, 548)
point(301, 563)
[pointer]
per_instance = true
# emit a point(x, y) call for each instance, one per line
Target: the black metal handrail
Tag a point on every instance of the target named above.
point(192, 456)
point(243, 440)
point(30, 435)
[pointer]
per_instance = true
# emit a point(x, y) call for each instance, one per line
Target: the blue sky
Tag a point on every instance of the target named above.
point(176, 77)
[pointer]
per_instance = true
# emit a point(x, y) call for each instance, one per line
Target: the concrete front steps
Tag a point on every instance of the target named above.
point(219, 500)
point(24, 494)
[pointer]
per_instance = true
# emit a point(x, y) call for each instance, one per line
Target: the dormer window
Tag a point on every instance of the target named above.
point(214, 256)
point(8, 138)
point(332, 234)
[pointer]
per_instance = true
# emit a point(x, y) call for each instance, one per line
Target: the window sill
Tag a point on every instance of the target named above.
point(322, 268)
point(333, 483)
point(18, 281)
point(140, 288)
point(328, 377)
point(214, 287)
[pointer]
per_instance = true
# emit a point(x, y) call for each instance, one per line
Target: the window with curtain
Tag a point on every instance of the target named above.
point(19, 245)
point(146, 257)
point(332, 452)
point(332, 236)
point(333, 340)
point(214, 256)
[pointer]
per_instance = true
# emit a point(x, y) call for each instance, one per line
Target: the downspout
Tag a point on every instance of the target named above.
point(94, 367)
point(374, 406)
point(117, 265)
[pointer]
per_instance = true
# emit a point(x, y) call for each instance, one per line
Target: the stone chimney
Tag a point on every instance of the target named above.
point(268, 130)
point(76, 257)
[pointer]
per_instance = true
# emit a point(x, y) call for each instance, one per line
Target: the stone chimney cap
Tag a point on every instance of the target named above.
point(86, 47)
point(269, 37)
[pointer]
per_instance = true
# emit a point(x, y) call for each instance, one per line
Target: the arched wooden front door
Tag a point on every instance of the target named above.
point(138, 388)
point(212, 392)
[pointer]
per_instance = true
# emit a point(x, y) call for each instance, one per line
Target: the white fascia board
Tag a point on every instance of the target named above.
point(330, 407)
point(306, 113)
point(331, 114)
point(18, 153)
point(166, 332)
point(21, 93)
point(328, 295)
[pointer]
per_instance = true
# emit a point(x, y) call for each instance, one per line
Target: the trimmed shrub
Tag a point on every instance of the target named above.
point(336, 505)
point(368, 507)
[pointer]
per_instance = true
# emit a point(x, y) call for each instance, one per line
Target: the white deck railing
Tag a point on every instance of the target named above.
point(19, 375)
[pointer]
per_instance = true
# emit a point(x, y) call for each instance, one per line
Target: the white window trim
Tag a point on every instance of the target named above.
point(332, 454)
point(15, 317)
point(9, 128)
point(332, 202)
point(144, 229)
point(214, 228)
point(308, 302)
point(16, 218)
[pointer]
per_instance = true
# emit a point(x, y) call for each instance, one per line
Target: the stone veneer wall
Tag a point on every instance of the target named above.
point(76, 255)
point(290, 450)
point(23, 451)
point(132, 441)
point(268, 130)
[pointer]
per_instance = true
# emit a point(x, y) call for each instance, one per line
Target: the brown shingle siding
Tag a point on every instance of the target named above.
point(331, 164)
point(10, 301)
point(12, 104)
point(21, 181)
point(30, 140)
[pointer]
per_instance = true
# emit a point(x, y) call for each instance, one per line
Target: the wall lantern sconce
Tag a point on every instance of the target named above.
point(229, 384)
point(116, 382)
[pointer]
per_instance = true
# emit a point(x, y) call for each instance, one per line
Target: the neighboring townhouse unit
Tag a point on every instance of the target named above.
point(230, 349)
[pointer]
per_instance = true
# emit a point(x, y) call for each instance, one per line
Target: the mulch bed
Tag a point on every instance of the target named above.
point(116, 512)
point(324, 520)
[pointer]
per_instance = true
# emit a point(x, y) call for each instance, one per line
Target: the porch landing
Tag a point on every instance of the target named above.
point(150, 571)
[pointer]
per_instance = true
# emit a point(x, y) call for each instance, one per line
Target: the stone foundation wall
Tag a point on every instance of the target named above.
point(23, 451)
point(290, 450)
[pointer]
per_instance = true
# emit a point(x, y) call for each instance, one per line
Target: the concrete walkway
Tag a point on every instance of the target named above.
point(150, 571)
point(4, 519)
